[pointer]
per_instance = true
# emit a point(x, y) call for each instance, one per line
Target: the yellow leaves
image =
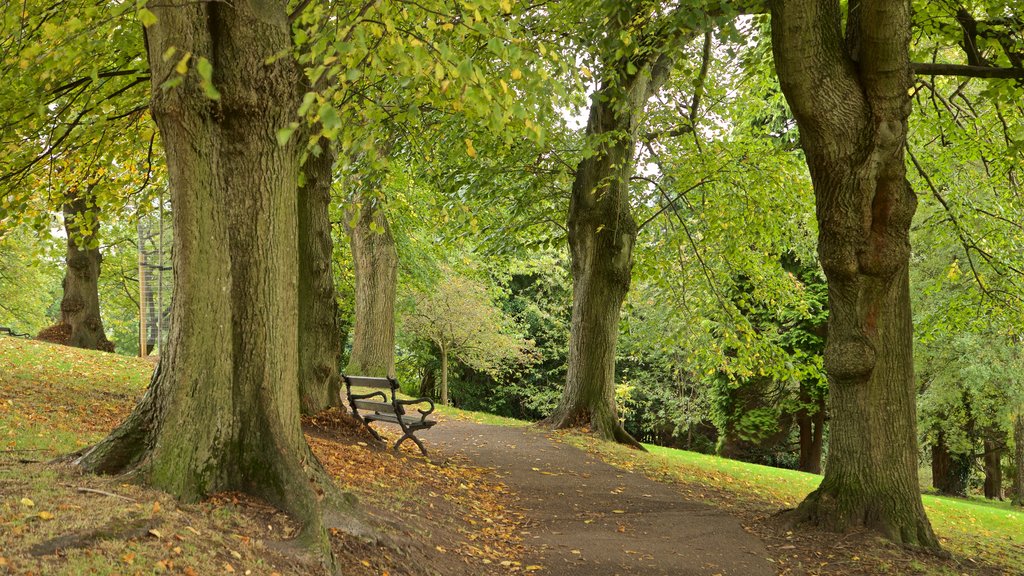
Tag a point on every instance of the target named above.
point(516, 74)
point(470, 151)
point(505, 5)
point(156, 507)
point(27, 502)
point(45, 515)
point(156, 533)
point(128, 558)
point(146, 17)
point(182, 66)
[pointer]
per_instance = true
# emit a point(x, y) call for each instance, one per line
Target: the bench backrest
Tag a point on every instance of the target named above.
point(378, 407)
point(370, 382)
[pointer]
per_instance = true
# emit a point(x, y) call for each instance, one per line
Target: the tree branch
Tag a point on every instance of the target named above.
point(927, 69)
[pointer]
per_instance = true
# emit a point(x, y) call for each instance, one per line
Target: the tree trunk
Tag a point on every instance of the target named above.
point(602, 233)
point(851, 102)
point(811, 436)
point(1018, 459)
point(319, 331)
point(993, 459)
point(444, 376)
point(80, 305)
point(222, 411)
point(375, 262)
point(428, 383)
point(949, 471)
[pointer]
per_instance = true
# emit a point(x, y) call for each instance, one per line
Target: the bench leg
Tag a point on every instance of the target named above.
point(408, 435)
point(372, 431)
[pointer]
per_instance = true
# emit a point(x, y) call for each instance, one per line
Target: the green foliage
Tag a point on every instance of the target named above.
point(458, 315)
point(30, 278)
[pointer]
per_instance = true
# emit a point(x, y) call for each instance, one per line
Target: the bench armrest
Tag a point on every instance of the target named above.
point(418, 401)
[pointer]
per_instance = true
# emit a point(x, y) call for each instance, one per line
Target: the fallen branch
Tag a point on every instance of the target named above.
point(105, 493)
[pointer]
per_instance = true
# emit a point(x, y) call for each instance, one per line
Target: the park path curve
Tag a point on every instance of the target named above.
point(587, 518)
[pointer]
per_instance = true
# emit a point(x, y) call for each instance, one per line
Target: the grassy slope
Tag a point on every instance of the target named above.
point(55, 399)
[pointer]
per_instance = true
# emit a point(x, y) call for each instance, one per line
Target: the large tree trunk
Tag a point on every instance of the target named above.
point(80, 305)
point(602, 232)
point(375, 262)
point(851, 102)
point(993, 459)
point(1018, 459)
point(319, 331)
point(949, 471)
point(222, 412)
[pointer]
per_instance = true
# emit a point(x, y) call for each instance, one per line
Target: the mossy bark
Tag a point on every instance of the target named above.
point(850, 97)
point(222, 411)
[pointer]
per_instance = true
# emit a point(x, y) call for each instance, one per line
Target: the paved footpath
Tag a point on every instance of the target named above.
point(588, 518)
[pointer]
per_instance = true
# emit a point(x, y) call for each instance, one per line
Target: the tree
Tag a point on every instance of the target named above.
point(80, 304)
point(850, 97)
point(222, 411)
point(459, 317)
point(320, 340)
point(375, 260)
point(636, 57)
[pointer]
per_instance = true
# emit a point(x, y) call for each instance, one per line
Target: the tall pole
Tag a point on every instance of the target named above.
point(142, 292)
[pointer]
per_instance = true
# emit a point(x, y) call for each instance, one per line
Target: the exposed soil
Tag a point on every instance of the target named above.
point(587, 518)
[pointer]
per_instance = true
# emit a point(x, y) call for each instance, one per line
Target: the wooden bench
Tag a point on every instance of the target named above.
point(378, 407)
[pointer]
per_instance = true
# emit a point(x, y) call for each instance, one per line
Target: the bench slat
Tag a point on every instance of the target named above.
point(383, 407)
point(411, 422)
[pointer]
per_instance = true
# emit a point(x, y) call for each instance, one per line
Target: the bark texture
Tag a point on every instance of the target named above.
point(319, 330)
point(222, 411)
point(375, 263)
point(80, 304)
point(851, 102)
point(602, 233)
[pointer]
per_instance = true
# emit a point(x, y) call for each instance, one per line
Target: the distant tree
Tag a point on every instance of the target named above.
point(375, 265)
point(80, 304)
point(459, 317)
